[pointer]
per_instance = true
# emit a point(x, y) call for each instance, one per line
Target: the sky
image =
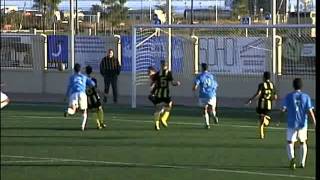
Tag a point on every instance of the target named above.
point(137, 4)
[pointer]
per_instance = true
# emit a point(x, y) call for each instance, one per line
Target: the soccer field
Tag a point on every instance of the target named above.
point(37, 142)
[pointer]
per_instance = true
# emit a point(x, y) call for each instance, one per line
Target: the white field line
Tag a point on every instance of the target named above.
point(30, 161)
point(114, 118)
point(160, 166)
point(142, 107)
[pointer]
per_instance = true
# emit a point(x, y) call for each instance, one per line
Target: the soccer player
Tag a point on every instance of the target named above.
point(298, 105)
point(76, 92)
point(266, 93)
point(161, 94)
point(207, 85)
point(4, 100)
point(94, 100)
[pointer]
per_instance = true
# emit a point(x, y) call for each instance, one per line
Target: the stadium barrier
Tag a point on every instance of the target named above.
point(25, 66)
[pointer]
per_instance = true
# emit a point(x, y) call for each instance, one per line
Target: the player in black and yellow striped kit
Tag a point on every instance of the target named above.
point(266, 93)
point(94, 100)
point(160, 93)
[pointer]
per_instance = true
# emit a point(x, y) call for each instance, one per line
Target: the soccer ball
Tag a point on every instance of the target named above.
point(61, 66)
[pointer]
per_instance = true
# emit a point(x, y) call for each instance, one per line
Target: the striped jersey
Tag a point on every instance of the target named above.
point(162, 79)
point(267, 95)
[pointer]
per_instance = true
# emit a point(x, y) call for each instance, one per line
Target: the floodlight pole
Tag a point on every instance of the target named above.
point(77, 27)
point(191, 13)
point(169, 35)
point(71, 34)
point(274, 52)
point(150, 14)
point(298, 16)
point(216, 11)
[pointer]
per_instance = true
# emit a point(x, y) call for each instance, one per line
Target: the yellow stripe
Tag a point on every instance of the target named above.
point(265, 86)
point(268, 104)
point(271, 85)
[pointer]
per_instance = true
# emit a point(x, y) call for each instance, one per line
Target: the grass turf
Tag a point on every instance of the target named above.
point(37, 142)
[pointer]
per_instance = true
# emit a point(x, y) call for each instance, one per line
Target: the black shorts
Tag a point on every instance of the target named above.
point(263, 111)
point(156, 100)
point(94, 103)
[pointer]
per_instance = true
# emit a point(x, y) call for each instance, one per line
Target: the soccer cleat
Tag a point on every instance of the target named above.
point(156, 128)
point(207, 126)
point(65, 114)
point(261, 136)
point(99, 127)
point(103, 125)
point(301, 166)
point(157, 125)
point(292, 164)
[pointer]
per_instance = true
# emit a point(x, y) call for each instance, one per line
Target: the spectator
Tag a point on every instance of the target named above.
point(110, 70)
point(156, 21)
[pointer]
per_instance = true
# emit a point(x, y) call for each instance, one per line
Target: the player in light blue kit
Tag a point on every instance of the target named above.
point(76, 93)
point(298, 105)
point(207, 85)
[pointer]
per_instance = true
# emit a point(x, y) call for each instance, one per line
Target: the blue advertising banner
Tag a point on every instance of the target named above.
point(57, 50)
point(151, 52)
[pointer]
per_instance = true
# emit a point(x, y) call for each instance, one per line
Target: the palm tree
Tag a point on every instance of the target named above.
point(116, 12)
point(48, 7)
point(240, 8)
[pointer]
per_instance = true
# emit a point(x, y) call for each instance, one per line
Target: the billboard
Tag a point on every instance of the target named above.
point(235, 55)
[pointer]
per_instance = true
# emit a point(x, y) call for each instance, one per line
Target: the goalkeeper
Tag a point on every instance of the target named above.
point(160, 93)
point(94, 100)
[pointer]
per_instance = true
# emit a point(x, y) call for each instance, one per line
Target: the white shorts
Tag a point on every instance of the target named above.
point(4, 97)
point(205, 101)
point(297, 134)
point(78, 99)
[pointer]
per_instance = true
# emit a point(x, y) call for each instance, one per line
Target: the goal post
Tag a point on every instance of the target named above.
point(225, 48)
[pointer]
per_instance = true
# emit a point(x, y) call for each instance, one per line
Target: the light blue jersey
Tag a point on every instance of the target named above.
point(207, 85)
point(78, 83)
point(297, 104)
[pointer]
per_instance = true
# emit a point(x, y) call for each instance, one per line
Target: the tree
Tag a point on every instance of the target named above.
point(48, 7)
point(116, 12)
point(96, 8)
point(240, 8)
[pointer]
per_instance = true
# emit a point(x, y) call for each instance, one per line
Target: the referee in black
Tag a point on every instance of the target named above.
point(110, 70)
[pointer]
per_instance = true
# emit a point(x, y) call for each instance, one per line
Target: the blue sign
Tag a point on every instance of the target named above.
point(246, 20)
point(151, 52)
point(57, 49)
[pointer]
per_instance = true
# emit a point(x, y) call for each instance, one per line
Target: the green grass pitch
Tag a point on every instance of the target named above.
point(37, 142)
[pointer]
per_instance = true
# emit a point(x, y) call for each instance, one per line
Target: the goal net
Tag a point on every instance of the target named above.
point(236, 55)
